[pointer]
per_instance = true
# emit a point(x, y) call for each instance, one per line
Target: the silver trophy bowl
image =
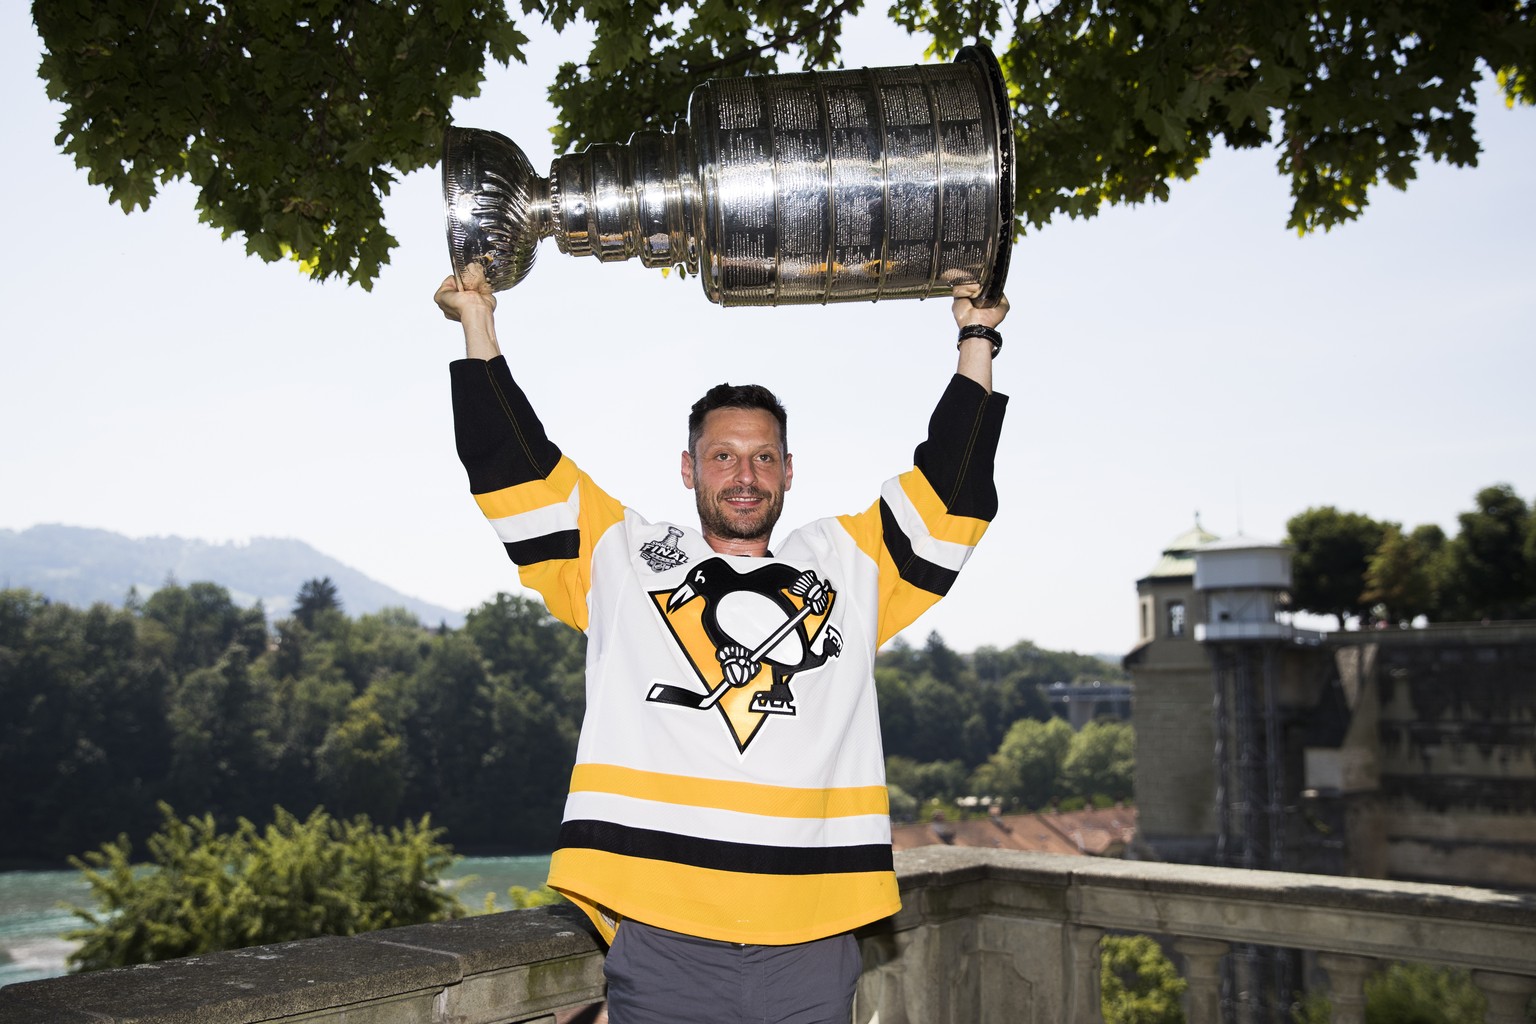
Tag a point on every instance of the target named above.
point(815, 187)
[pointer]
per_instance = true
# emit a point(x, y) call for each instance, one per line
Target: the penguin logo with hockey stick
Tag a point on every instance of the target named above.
point(747, 635)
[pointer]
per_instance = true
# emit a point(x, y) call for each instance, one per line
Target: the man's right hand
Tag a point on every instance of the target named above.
point(471, 303)
point(473, 293)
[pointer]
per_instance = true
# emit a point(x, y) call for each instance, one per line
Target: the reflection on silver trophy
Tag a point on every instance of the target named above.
point(815, 187)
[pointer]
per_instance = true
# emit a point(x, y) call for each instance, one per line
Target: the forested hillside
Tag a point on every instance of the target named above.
point(187, 698)
point(81, 566)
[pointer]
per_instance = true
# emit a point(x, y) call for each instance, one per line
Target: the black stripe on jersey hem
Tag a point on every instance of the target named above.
point(548, 548)
point(720, 855)
point(912, 568)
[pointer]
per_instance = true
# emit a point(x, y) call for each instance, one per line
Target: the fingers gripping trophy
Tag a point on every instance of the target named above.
point(816, 187)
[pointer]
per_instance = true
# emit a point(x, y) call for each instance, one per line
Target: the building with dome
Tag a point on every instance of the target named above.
point(1396, 753)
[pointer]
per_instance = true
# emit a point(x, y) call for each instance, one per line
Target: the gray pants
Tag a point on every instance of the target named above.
point(660, 977)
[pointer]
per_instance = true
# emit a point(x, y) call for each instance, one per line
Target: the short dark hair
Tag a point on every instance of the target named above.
point(736, 396)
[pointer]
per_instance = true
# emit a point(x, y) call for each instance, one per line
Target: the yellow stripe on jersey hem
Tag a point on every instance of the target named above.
point(527, 497)
point(728, 906)
point(746, 797)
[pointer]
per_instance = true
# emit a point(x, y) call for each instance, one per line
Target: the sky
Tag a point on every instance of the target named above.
point(1163, 361)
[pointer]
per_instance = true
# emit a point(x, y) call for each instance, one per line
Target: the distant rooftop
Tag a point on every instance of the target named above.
point(1179, 556)
point(1095, 833)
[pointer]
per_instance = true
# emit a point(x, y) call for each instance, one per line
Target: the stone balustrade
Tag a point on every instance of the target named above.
point(984, 936)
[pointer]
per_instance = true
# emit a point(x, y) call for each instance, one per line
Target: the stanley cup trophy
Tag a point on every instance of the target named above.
point(815, 187)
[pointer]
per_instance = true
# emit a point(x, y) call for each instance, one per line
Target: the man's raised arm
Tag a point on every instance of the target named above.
point(976, 352)
point(473, 305)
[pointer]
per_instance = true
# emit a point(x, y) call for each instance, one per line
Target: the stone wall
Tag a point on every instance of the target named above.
point(983, 937)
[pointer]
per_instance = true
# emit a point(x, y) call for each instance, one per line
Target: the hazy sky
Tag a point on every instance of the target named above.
point(1162, 360)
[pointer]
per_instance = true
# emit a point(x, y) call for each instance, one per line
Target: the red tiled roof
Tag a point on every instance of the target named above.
point(1096, 833)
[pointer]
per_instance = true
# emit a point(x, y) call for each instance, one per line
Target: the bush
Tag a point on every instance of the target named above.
point(205, 890)
point(1422, 994)
point(1138, 984)
point(1407, 993)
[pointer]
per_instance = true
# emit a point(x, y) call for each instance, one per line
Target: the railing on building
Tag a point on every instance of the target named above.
point(984, 936)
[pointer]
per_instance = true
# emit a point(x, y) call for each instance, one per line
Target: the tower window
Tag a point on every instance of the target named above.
point(1176, 618)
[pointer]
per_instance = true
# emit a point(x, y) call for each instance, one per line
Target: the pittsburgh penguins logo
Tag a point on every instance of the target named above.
point(747, 635)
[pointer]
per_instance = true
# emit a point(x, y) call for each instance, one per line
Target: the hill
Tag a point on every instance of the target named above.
point(81, 566)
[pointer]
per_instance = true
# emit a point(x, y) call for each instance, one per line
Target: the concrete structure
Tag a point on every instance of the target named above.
point(984, 937)
point(1406, 754)
point(1174, 736)
point(1081, 703)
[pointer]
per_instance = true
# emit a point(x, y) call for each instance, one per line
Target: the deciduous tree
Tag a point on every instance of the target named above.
point(1333, 551)
point(1101, 761)
point(1488, 557)
point(293, 126)
point(1406, 574)
point(1026, 770)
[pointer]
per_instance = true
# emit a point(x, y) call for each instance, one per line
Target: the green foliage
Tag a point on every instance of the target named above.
point(1138, 984)
point(926, 780)
point(1101, 761)
point(294, 128)
point(1408, 993)
point(1348, 564)
point(206, 890)
point(315, 598)
point(83, 728)
point(1489, 557)
point(187, 699)
point(1026, 770)
point(937, 705)
point(1405, 575)
point(1422, 994)
point(522, 898)
point(903, 805)
point(292, 122)
point(183, 698)
point(1333, 551)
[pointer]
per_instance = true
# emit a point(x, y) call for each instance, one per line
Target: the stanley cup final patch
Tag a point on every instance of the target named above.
point(747, 635)
point(664, 554)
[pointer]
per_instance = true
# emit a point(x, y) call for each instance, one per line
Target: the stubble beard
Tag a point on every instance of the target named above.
point(718, 522)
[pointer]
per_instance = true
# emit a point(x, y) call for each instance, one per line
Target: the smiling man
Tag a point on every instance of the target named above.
point(727, 824)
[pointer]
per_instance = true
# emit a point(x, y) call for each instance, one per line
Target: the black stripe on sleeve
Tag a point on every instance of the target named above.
point(917, 571)
point(499, 437)
point(565, 544)
point(720, 855)
point(957, 457)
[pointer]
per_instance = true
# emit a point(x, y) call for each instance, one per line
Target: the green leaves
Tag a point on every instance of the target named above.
point(1138, 984)
point(293, 122)
point(205, 890)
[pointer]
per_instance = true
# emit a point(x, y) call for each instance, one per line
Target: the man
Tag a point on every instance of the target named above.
point(727, 824)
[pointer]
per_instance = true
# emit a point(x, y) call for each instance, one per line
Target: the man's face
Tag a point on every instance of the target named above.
point(739, 472)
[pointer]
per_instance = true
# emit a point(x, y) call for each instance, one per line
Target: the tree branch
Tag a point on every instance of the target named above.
point(778, 41)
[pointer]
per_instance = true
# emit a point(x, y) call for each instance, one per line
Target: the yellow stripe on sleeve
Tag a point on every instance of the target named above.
point(533, 495)
point(899, 602)
point(941, 525)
